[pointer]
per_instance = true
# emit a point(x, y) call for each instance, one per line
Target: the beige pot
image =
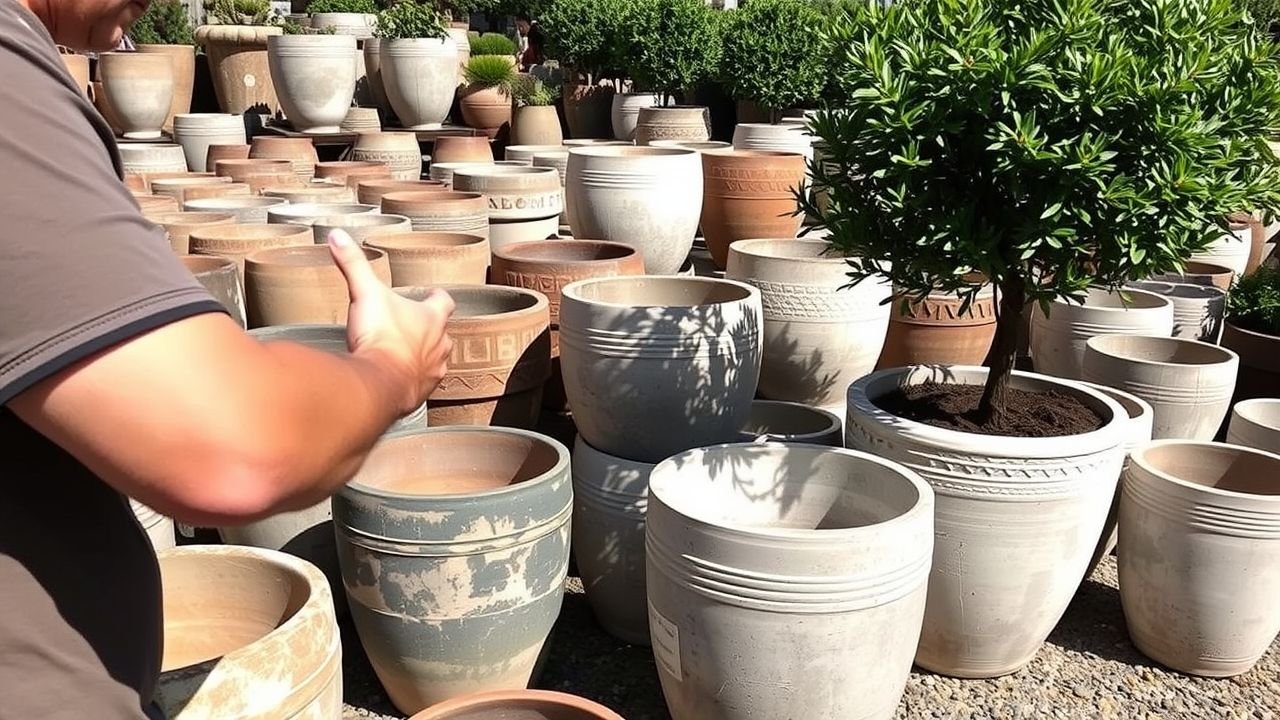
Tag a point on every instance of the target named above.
point(371, 192)
point(176, 187)
point(178, 226)
point(1255, 423)
point(398, 150)
point(246, 209)
point(149, 159)
point(238, 62)
point(139, 89)
point(682, 123)
point(182, 59)
point(300, 285)
point(429, 259)
point(316, 191)
point(536, 125)
point(349, 172)
point(435, 211)
point(361, 227)
point(191, 193)
point(300, 152)
point(239, 240)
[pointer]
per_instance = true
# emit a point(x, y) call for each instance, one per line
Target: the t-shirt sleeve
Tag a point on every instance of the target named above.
point(80, 268)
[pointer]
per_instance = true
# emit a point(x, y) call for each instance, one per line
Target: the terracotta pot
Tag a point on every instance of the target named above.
point(352, 171)
point(139, 88)
point(296, 62)
point(525, 153)
point(238, 241)
point(204, 191)
point(182, 59)
point(156, 203)
point(398, 150)
point(357, 25)
point(688, 123)
point(524, 202)
point(178, 226)
point(430, 259)
point(625, 113)
point(361, 227)
point(371, 192)
point(517, 703)
point(300, 152)
point(247, 633)
point(300, 286)
point(436, 211)
point(221, 277)
point(586, 110)
point(546, 266)
point(159, 528)
point(1259, 361)
point(749, 194)
point(1199, 273)
point(461, 148)
point(362, 119)
point(78, 68)
point(1256, 423)
point(486, 108)
point(149, 159)
point(316, 191)
point(310, 213)
point(135, 184)
point(420, 77)
point(177, 187)
point(251, 171)
point(934, 332)
point(238, 62)
point(535, 125)
point(1058, 340)
point(149, 179)
point(196, 132)
point(219, 152)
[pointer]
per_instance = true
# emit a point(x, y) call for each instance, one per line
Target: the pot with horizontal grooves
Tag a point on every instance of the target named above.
point(1139, 412)
point(314, 77)
point(1058, 340)
point(178, 226)
point(1256, 423)
point(399, 150)
point(748, 194)
point(428, 259)
point(436, 211)
point(301, 285)
point(691, 123)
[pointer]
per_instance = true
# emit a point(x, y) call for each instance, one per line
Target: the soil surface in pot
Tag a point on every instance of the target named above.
point(1028, 414)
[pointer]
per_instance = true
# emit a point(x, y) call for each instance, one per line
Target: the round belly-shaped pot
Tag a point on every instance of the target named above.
point(1187, 383)
point(789, 422)
point(1017, 518)
point(399, 150)
point(1058, 340)
point(249, 633)
point(748, 194)
point(139, 89)
point(182, 59)
point(178, 226)
point(1199, 555)
point(454, 547)
point(239, 240)
point(1231, 249)
point(221, 277)
point(1197, 310)
point(429, 259)
point(310, 213)
point(486, 108)
point(654, 366)
point(361, 228)
point(586, 110)
point(1199, 273)
point(420, 76)
point(435, 211)
point(238, 63)
point(536, 125)
point(524, 202)
point(371, 192)
point(646, 197)
point(195, 132)
point(316, 191)
point(815, 552)
point(351, 172)
point(687, 123)
point(525, 153)
point(532, 704)
point(301, 286)
point(624, 114)
point(314, 77)
point(300, 152)
point(1140, 417)
point(1259, 361)
point(461, 149)
point(148, 159)
point(247, 209)
point(934, 331)
point(546, 266)
point(1256, 423)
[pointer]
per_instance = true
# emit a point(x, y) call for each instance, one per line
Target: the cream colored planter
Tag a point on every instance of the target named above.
point(789, 422)
point(420, 77)
point(314, 77)
point(1139, 412)
point(195, 132)
point(1230, 250)
point(399, 150)
point(1197, 309)
point(1256, 424)
point(524, 202)
point(625, 113)
point(139, 88)
point(1057, 341)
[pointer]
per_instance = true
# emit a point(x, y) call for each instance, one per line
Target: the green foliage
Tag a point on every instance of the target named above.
point(367, 7)
point(460, 10)
point(1266, 15)
point(489, 71)
point(587, 35)
point(528, 90)
point(409, 20)
point(672, 45)
point(774, 54)
point(1254, 302)
point(240, 12)
point(165, 22)
point(493, 44)
point(1049, 146)
point(293, 28)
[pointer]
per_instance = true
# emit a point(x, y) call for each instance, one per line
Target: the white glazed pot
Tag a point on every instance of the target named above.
point(1256, 423)
point(420, 77)
point(314, 77)
point(1197, 309)
point(1057, 341)
point(625, 113)
point(195, 132)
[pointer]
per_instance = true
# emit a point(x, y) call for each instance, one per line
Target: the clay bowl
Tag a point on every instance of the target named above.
point(245, 208)
point(1200, 273)
point(300, 285)
point(361, 227)
point(237, 241)
point(370, 192)
point(518, 705)
point(178, 225)
point(428, 259)
point(316, 191)
point(789, 422)
point(213, 190)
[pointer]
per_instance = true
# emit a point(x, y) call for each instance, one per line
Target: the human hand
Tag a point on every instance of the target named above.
point(405, 336)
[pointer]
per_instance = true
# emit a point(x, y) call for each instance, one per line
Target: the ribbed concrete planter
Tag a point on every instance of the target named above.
point(1230, 250)
point(789, 422)
point(314, 77)
point(361, 119)
point(139, 88)
point(147, 159)
point(1140, 418)
point(1025, 514)
point(1259, 361)
point(429, 259)
point(455, 569)
point(686, 123)
point(247, 209)
point(238, 62)
point(783, 137)
point(420, 77)
point(1256, 423)
point(361, 228)
point(371, 192)
point(316, 191)
point(649, 198)
point(1187, 383)
point(748, 194)
point(399, 150)
point(195, 132)
point(654, 366)
point(1199, 273)
point(813, 552)
point(1197, 309)
point(221, 277)
point(237, 241)
point(300, 152)
point(301, 286)
point(524, 202)
point(1200, 555)
point(1057, 341)
point(310, 213)
point(624, 114)
point(249, 633)
point(518, 703)
point(434, 211)
point(178, 226)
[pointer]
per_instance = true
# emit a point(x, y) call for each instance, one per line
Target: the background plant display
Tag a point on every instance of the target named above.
point(166, 22)
point(492, 44)
point(585, 36)
point(1254, 302)
point(1047, 147)
point(671, 45)
point(409, 20)
point(366, 7)
point(774, 55)
point(240, 12)
point(529, 91)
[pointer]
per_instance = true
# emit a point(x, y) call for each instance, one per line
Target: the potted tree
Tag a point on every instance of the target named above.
point(1253, 332)
point(583, 36)
point(672, 45)
point(235, 41)
point(535, 120)
point(166, 28)
point(419, 64)
point(1046, 149)
point(485, 100)
point(773, 55)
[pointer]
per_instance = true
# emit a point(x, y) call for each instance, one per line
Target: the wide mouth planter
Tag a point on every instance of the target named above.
point(477, 521)
point(420, 76)
point(257, 173)
point(177, 187)
point(300, 152)
point(314, 77)
point(761, 557)
point(436, 211)
point(247, 633)
point(301, 285)
point(139, 89)
point(310, 213)
point(1256, 423)
point(1200, 273)
point(428, 259)
point(703, 145)
point(1199, 555)
point(788, 422)
point(518, 703)
point(1017, 520)
point(316, 191)
point(443, 171)
point(1197, 309)
point(657, 365)
point(178, 226)
point(147, 158)
point(462, 149)
point(1231, 249)
point(351, 172)
point(1058, 340)
point(524, 202)
point(784, 137)
point(624, 113)
point(749, 194)
point(221, 277)
point(361, 227)
point(238, 240)
point(371, 192)
point(1187, 383)
point(195, 132)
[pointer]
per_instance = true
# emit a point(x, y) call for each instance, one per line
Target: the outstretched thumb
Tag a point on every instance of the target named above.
point(355, 267)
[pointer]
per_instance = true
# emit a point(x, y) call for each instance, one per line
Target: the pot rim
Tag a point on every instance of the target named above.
point(571, 291)
point(479, 701)
point(631, 151)
point(380, 242)
point(748, 247)
point(1244, 409)
point(1193, 291)
point(209, 218)
point(232, 202)
point(540, 306)
point(1161, 302)
point(442, 196)
point(250, 231)
point(1100, 344)
point(1250, 333)
point(1121, 396)
point(1139, 457)
point(495, 169)
point(311, 256)
point(309, 210)
point(732, 152)
point(834, 423)
point(514, 252)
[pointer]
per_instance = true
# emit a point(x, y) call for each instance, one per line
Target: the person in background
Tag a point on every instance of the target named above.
point(121, 377)
point(533, 41)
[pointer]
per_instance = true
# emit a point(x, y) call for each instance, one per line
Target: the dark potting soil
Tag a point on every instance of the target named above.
point(1028, 414)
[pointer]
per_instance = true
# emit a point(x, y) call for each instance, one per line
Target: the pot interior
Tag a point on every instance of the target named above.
point(329, 338)
point(797, 248)
point(1261, 411)
point(481, 300)
point(1221, 467)
point(517, 709)
point(1174, 351)
point(425, 239)
point(450, 462)
point(654, 291)
point(1123, 300)
point(567, 251)
point(784, 418)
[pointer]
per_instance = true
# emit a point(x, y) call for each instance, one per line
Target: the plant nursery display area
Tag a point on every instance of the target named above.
point(811, 359)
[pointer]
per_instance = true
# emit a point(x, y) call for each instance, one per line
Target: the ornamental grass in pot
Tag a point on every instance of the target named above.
point(485, 100)
point(534, 120)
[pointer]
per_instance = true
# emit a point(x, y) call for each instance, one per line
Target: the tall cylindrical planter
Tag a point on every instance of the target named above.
point(479, 519)
point(558, 159)
point(649, 198)
point(430, 259)
point(434, 211)
point(1187, 383)
point(654, 366)
point(139, 88)
point(221, 277)
point(300, 152)
point(687, 123)
point(1017, 518)
point(524, 202)
point(816, 552)
point(399, 150)
point(1197, 309)
point(238, 62)
point(1256, 423)
point(625, 113)
point(1057, 341)
point(818, 335)
point(420, 76)
point(749, 194)
point(535, 125)
point(939, 330)
point(195, 132)
point(1140, 418)
point(300, 286)
point(314, 77)
point(1200, 555)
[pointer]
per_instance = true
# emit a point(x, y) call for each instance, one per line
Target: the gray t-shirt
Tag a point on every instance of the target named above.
point(80, 270)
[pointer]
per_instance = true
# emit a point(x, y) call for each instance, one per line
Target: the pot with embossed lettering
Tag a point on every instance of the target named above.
point(501, 357)
point(748, 194)
point(524, 202)
point(428, 259)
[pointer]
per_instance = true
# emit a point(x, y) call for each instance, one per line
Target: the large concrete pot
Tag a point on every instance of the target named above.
point(1199, 273)
point(434, 211)
point(688, 123)
point(301, 285)
point(372, 50)
point(454, 546)
point(624, 113)
point(1058, 340)
point(221, 277)
point(762, 557)
point(1230, 250)
point(654, 366)
point(1197, 309)
point(1017, 519)
point(558, 159)
point(139, 89)
point(182, 59)
point(783, 137)
point(399, 150)
point(352, 24)
point(428, 259)
point(238, 62)
point(524, 202)
point(420, 77)
point(1256, 423)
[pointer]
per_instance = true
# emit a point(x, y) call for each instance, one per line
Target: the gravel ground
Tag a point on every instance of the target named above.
point(1087, 669)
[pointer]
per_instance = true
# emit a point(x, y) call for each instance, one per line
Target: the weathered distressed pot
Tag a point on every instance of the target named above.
point(177, 187)
point(461, 149)
point(536, 125)
point(362, 227)
point(139, 88)
point(751, 574)
point(245, 208)
point(314, 77)
point(310, 213)
point(360, 119)
point(300, 286)
point(371, 192)
point(435, 211)
point(399, 150)
point(546, 266)
point(749, 194)
point(687, 123)
point(1200, 555)
point(239, 240)
point(533, 704)
point(248, 633)
point(683, 353)
point(1199, 273)
point(300, 152)
point(350, 172)
point(935, 332)
point(454, 546)
point(587, 108)
point(238, 62)
point(221, 277)
point(818, 335)
point(1140, 418)
point(178, 226)
point(1017, 519)
point(1187, 383)
point(525, 153)
point(420, 76)
point(524, 202)
point(148, 159)
point(624, 113)
point(195, 132)
point(610, 495)
point(649, 198)
point(429, 259)
point(159, 528)
point(1259, 361)
point(316, 191)
point(1057, 341)
point(1197, 309)
point(1256, 423)
point(789, 422)
point(486, 108)
point(182, 63)
point(1231, 249)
